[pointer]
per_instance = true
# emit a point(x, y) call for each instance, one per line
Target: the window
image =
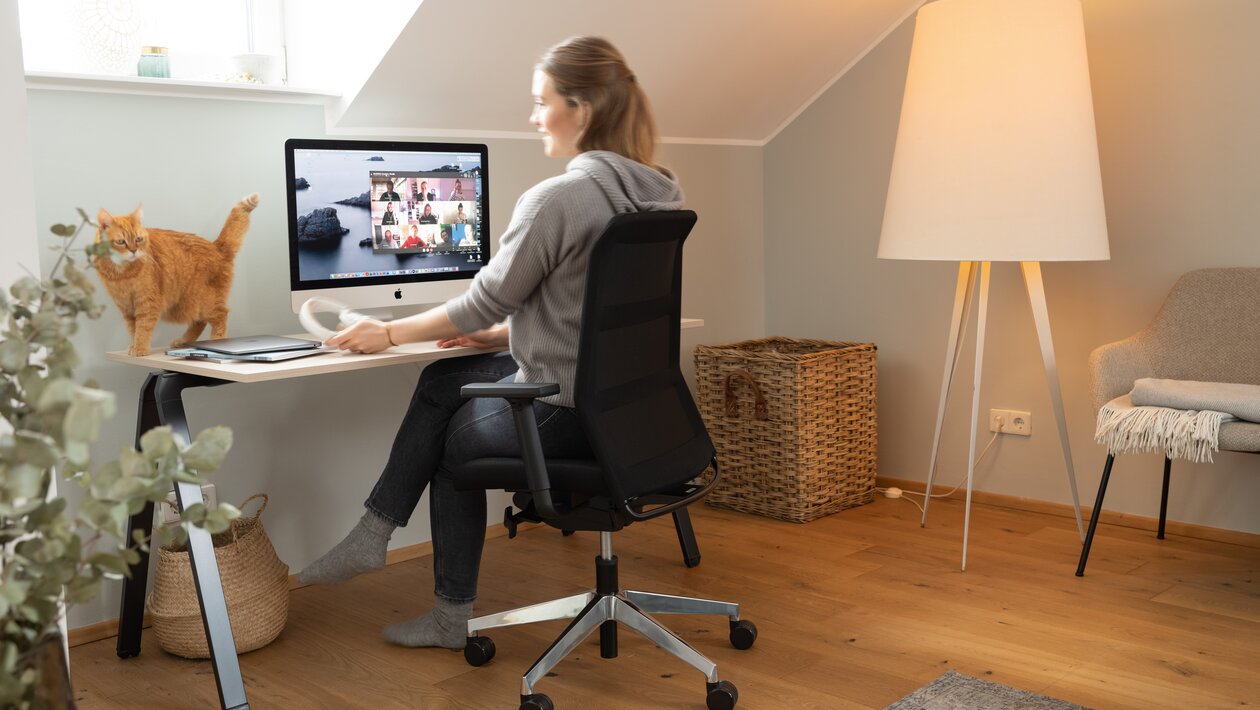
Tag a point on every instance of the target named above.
point(204, 41)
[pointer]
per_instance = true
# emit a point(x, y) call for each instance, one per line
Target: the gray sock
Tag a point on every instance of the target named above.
point(446, 626)
point(363, 550)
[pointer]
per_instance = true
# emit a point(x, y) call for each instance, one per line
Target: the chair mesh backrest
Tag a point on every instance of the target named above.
point(639, 416)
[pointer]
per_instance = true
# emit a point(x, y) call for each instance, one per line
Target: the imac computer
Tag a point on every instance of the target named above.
point(375, 224)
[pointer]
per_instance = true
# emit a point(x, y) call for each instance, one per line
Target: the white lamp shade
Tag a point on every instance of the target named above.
point(996, 156)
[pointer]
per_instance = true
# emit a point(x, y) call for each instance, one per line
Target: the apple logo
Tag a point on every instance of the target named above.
point(398, 294)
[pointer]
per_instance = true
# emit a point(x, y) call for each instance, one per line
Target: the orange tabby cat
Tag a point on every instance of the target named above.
point(175, 276)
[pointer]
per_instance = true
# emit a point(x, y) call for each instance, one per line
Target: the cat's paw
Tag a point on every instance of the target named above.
point(138, 351)
point(249, 202)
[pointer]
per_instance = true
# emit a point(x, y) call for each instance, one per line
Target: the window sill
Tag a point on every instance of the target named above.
point(176, 88)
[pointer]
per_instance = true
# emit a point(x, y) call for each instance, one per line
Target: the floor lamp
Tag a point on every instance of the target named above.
point(996, 160)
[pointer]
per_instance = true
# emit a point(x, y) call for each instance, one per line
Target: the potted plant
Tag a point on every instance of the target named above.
point(51, 556)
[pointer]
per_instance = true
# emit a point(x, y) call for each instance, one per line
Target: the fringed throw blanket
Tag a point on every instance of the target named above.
point(1179, 417)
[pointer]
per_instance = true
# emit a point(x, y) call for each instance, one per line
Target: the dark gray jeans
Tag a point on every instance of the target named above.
point(442, 430)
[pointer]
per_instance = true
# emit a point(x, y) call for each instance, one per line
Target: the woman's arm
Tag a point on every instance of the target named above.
point(371, 335)
point(494, 337)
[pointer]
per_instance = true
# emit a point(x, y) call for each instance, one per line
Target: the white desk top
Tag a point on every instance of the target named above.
point(332, 361)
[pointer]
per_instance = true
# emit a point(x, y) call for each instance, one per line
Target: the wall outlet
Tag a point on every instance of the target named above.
point(169, 513)
point(1010, 421)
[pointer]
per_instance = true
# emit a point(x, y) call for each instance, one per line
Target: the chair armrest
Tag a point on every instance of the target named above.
point(521, 396)
point(509, 390)
point(1114, 367)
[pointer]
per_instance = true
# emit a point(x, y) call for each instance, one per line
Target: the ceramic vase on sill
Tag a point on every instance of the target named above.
point(260, 68)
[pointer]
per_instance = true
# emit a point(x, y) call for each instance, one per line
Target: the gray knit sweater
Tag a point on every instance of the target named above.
point(537, 279)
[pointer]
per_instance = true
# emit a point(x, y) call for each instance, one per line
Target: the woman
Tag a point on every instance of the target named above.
point(388, 217)
point(589, 108)
point(457, 193)
point(460, 216)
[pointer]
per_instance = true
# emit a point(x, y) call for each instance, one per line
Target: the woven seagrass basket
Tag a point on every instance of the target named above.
point(794, 424)
point(255, 586)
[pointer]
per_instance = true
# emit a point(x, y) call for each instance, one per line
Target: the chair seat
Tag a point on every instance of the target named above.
point(573, 475)
point(1240, 436)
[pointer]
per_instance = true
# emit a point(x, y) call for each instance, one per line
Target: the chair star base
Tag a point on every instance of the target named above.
point(605, 608)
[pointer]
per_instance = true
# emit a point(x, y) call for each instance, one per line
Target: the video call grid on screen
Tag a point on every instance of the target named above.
point(383, 216)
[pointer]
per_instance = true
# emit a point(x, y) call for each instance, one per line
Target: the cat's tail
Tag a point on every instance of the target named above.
point(229, 241)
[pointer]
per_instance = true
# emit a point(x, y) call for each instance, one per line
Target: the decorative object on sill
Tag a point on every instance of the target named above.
point(255, 584)
point(154, 62)
point(257, 68)
point(794, 424)
point(108, 32)
point(996, 160)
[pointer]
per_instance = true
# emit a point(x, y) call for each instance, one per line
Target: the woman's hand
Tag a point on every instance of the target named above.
point(488, 339)
point(366, 336)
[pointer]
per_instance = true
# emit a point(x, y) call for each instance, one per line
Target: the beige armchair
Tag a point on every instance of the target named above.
point(1207, 330)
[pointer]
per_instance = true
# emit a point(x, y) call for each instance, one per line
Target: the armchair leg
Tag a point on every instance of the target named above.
point(686, 537)
point(1093, 519)
point(1163, 498)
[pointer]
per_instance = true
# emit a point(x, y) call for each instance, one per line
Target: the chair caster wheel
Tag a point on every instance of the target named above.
point(537, 701)
point(478, 651)
point(722, 695)
point(743, 634)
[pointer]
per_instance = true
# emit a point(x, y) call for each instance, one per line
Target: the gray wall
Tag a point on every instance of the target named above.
point(317, 444)
point(1177, 103)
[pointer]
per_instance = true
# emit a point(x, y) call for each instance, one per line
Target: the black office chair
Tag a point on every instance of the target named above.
point(649, 442)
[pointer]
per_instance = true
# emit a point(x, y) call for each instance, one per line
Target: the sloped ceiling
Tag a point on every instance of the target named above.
point(715, 70)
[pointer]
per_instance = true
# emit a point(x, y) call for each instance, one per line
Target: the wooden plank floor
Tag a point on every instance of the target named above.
point(854, 611)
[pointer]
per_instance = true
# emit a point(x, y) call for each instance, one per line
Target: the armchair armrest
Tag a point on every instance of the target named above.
point(521, 396)
point(1114, 367)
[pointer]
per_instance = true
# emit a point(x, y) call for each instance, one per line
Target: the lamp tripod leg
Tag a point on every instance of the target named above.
point(981, 319)
point(957, 328)
point(1041, 317)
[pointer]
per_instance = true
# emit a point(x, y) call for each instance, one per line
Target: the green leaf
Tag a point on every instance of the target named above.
point(207, 452)
point(57, 394)
point(84, 216)
point(220, 518)
point(83, 418)
point(62, 230)
point(13, 353)
point(26, 289)
point(14, 591)
point(157, 442)
point(36, 449)
point(110, 564)
point(24, 481)
point(49, 328)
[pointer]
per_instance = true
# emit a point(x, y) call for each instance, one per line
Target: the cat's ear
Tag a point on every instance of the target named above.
point(105, 219)
point(138, 214)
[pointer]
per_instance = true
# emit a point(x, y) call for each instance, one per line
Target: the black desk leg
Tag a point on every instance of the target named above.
point(164, 393)
point(131, 615)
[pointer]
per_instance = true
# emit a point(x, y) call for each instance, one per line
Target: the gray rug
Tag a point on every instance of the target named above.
point(955, 691)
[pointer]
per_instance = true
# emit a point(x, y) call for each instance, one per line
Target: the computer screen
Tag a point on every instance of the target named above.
point(382, 223)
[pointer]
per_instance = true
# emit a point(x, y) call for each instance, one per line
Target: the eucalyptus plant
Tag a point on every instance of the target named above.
point(48, 423)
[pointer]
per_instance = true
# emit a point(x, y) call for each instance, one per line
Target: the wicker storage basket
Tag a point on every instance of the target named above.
point(794, 423)
point(255, 585)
